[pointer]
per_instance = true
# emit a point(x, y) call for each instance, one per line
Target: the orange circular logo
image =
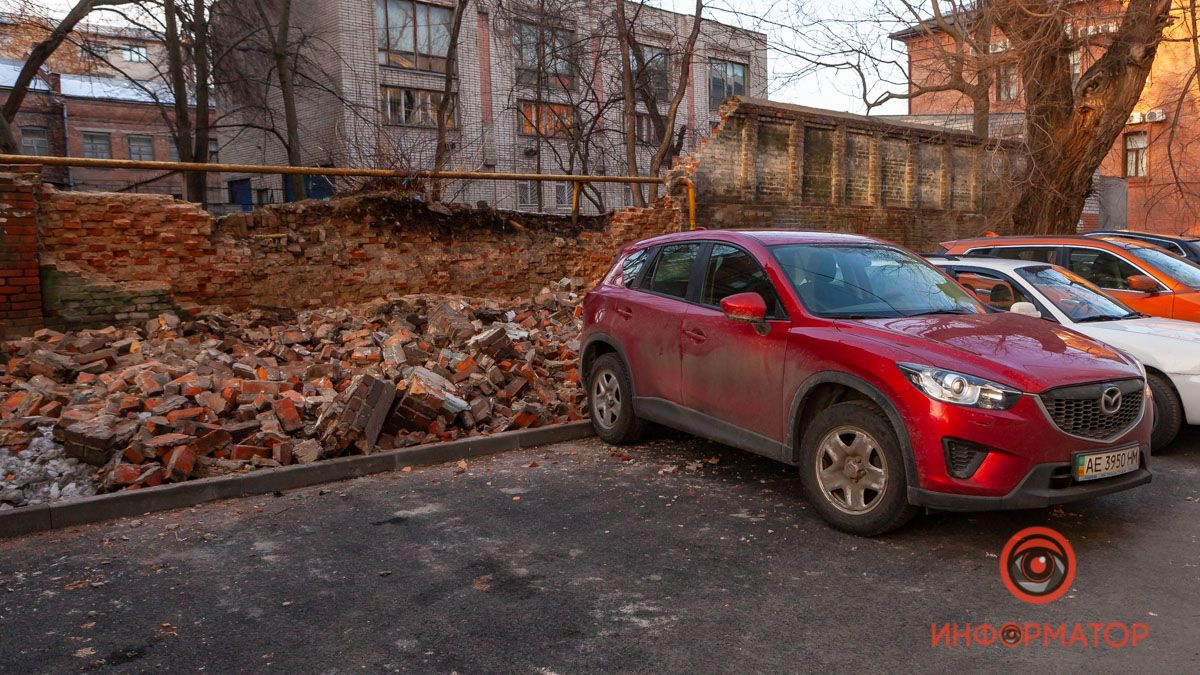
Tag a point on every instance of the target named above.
point(1037, 565)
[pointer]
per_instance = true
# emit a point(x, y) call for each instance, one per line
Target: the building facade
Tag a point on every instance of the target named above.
point(1150, 180)
point(538, 91)
point(99, 96)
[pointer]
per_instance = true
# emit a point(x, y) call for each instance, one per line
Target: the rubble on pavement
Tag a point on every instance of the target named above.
point(113, 409)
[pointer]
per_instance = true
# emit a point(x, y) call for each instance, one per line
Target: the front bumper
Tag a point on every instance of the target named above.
point(1036, 491)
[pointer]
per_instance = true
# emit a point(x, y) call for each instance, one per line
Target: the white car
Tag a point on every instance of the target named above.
point(1169, 349)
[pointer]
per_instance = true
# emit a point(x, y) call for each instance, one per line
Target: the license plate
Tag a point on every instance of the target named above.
point(1096, 465)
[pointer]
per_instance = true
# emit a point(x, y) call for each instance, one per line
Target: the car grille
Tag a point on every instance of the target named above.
point(1079, 410)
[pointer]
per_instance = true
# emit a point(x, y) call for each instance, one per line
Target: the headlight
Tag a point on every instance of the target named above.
point(949, 386)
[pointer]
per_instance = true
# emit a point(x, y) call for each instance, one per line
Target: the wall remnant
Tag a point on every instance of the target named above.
point(20, 288)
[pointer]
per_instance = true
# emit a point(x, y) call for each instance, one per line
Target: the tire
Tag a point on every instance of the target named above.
point(875, 499)
point(1168, 412)
point(610, 402)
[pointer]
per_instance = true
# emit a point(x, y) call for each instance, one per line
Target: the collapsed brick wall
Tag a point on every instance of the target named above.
point(20, 289)
point(114, 258)
point(777, 165)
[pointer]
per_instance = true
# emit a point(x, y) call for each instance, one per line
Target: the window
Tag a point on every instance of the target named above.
point(551, 120)
point(1007, 88)
point(544, 55)
point(141, 148)
point(645, 130)
point(730, 271)
point(134, 54)
point(35, 141)
point(1076, 66)
point(214, 151)
point(1046, 254)
point(264, 196)
point(818, 165)
point(1101, 268)
point(653, 73)
point(725, 79)
point(562, 195)
point(97, 145)
point(412, 34)
point(627, 195)
point(416, 107)
point(632, 267)
point(172, 150)
point(527, 194)
point(993, 290)
point(672, 270)
point(1135, 154)
point(1184, 271)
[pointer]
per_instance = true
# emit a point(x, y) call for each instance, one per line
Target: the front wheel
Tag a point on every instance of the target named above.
point(610, 402)
point(1168, 412)
point(853, 471)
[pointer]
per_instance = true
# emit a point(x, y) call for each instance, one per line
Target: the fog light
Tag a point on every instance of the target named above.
point(962, 458)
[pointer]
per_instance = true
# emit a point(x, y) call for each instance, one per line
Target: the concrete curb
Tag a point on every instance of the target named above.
point(44, 517)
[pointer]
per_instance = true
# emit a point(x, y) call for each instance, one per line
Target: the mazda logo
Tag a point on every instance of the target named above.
point(1110, 401)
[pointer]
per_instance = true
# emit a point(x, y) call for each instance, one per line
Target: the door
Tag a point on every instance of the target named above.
point(649, 318)
point(1111, 273)
point(240, 194)
point(730, 372)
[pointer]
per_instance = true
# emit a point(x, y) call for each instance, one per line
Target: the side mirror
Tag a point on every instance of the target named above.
point(1142, 283)
point(747, 308)
point(1025, 309)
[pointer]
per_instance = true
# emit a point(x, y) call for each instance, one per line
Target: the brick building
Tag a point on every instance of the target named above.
point(538, 91)
point(772, 164)
point(1136, 185)
point(99, 96)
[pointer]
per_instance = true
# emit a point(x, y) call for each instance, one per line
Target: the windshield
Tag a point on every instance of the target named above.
point(1074, 296)
point(869, 282)
point(1184, 271)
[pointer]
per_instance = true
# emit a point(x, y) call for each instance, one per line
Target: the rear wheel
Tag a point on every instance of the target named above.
point(610, 402)
point(853, 471)
point(1168, 412)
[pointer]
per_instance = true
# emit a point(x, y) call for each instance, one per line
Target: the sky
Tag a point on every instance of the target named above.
point(823, 89)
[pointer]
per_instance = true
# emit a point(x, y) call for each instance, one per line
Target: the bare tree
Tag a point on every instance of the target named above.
point(447, 100)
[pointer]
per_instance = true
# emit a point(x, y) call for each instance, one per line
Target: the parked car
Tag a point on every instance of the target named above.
point(1143, 276)
point(1169, 349)
point(887, 383)
point(1188, 247)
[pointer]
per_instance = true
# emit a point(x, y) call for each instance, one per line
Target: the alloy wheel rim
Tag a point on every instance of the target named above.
point(851, 469)
point(606, 399)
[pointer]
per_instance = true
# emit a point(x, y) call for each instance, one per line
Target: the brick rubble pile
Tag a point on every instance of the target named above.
point(124, 408)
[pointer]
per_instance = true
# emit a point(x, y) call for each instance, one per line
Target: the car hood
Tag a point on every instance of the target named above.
point(1166, 344)
point(1030, 354)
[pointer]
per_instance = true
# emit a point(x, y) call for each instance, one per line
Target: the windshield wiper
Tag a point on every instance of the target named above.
point(934, 312)
point(1104, 317)
point(851, 316)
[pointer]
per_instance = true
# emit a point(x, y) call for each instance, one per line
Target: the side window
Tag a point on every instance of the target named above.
point(732, 270)
point(1102, 268)
point(672, 270)
point(992, 289)
point(1045, 254)
point(632, 267)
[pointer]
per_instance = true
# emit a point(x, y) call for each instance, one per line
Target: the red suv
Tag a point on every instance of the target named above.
point(886, 382)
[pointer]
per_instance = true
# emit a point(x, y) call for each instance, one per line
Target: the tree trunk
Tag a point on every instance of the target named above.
point(287, 90)
point(443, 110)
point(1069, 131)
point(179, 89)
point(197, 181)
point(629, 104)
point(665, 140)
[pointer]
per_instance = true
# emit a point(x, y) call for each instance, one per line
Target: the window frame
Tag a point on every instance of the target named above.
point(706, 255)
point(1142, 154)
point(548, 41)
point(1008, 88)
point(532, 188)
point(129, 140)
point(728, 63)
point(135, 53)
point(84, 143)
point(650, 75)
point(689, 296)
point(25, 131)
point(434, 100)
point(535, 126)
point(426, 61)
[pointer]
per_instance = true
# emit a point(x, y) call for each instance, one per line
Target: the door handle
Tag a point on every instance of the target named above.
point(624, 312)
point(696, 335)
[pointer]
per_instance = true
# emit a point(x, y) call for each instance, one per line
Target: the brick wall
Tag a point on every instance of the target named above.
point(114, 257)
point(777, 165)
point(20, 289)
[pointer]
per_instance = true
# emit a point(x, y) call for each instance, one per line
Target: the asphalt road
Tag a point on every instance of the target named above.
point(588, 561)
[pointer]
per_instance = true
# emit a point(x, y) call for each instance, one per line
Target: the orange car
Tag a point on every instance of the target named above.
point(1147, 278)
